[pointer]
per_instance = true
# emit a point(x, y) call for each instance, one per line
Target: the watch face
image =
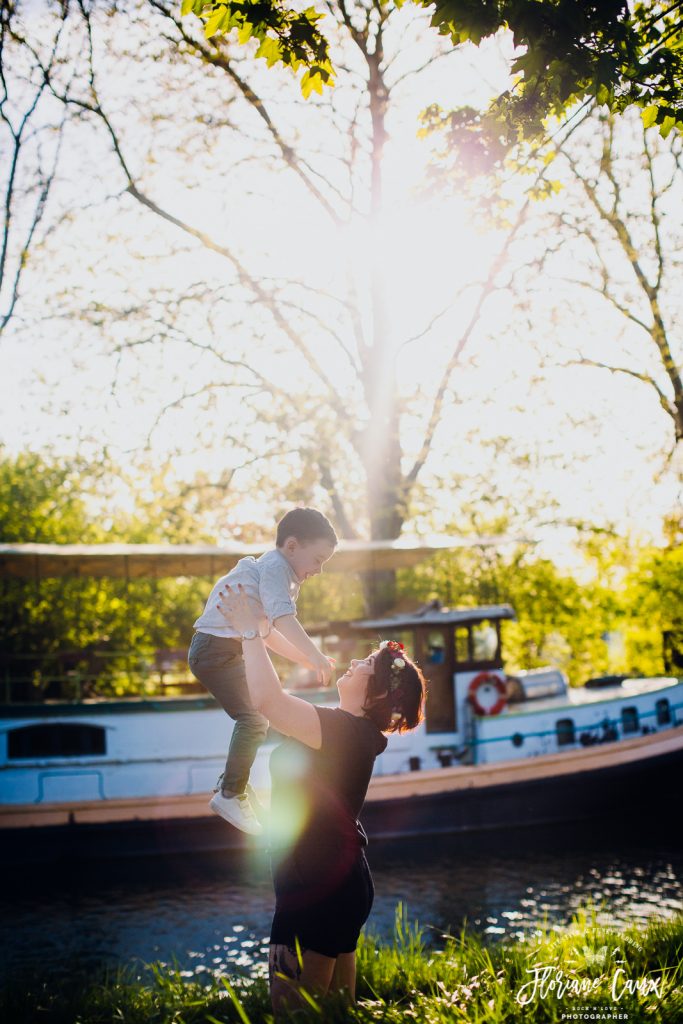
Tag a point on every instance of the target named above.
point(249, 634)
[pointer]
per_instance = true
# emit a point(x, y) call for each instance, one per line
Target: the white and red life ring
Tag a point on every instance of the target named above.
point(487, 694)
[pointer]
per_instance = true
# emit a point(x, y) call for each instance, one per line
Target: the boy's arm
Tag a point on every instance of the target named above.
point(281, 645)
point(292, 630)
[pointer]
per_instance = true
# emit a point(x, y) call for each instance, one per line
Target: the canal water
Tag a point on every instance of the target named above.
point(212, 915)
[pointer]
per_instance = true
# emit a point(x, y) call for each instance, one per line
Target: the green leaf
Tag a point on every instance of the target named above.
point(311, 15)
point(306, 85)
point(214, 21)
point(650, 116)
point(186, 7)
point(667, 124)
point(270, 50)
point(236, 1003)
point(245, 33)
point(312, 81)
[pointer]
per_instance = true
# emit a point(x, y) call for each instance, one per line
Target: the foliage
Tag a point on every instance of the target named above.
point(655, 587)
point(570, 52)
point(200, 317)
point(627, 593)
point(43, 502)
point(560, 621)
point(602, 228)
point(86, 628)
point(463, 980)
point(284, 35)
point(110, 629)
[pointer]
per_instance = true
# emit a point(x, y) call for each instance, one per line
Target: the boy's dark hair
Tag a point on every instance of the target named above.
point(306, 524)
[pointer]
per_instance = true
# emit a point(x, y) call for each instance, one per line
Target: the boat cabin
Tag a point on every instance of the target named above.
point(478, 714)
point(452, 646)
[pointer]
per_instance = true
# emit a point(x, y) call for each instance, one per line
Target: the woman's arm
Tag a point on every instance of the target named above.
point(289, 715)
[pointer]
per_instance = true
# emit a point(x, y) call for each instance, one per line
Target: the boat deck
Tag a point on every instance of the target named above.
point(579, 696)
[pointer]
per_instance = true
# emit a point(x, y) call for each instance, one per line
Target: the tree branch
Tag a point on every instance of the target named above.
point(247, 280)
point(18, 139)
point(657, 331)
point(638, 375)
point(326, 479)
point(654, 212)
point(212, 55)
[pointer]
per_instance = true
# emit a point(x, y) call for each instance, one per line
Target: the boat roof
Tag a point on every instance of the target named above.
point(579, 696)
point(430, 616)
point(137, 561)
point(134, 561)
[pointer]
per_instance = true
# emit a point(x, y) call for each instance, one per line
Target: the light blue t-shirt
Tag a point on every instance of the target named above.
point(269, 581)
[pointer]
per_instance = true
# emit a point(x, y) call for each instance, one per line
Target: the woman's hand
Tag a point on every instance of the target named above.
point(236, 609)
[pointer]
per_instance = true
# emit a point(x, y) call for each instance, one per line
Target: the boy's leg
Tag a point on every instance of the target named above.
point(247, 736)
point(218, 665)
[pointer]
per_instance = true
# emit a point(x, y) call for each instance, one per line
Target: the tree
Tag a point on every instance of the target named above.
point(620, 206)
point(354, 432)
point(171, 158)
point(606, 50)
point(654, 598)
point(32, 129)
point(602, 278)
point(80, 627)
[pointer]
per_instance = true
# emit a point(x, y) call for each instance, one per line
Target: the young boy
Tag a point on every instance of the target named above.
point(305, 541)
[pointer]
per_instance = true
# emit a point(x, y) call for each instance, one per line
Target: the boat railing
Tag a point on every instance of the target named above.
point(75, 676)
point(587, 735)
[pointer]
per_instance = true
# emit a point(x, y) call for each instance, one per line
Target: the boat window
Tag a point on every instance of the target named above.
point(484, 641)
point(462, 644)
point(629, 719)
point(58, 739)
point(436, 648)
point(663, 712)
point(565, 731)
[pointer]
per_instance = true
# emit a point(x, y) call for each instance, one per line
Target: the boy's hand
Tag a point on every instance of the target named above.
point(324, 667)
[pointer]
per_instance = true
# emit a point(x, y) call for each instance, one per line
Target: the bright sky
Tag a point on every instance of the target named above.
point(594, 439)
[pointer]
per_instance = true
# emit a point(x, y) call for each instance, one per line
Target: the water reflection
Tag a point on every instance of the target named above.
point(213, 916)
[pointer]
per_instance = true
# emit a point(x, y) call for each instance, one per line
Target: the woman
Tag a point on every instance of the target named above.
point(320, 776)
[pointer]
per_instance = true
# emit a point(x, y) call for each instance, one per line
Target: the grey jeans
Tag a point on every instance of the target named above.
point(218, 665)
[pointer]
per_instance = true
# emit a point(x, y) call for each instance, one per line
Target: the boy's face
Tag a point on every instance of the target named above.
point(307, 557)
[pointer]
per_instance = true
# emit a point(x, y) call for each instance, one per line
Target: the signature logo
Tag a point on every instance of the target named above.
point(594, 958)
point(549, 980)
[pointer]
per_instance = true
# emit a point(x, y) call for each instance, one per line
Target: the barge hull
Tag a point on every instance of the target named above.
point(632, 785)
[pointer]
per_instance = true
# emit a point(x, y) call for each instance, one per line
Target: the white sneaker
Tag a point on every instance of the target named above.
point(237, 810)
point(257, 807)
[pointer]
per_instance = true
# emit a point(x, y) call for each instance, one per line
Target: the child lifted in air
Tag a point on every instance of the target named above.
point(305, 540)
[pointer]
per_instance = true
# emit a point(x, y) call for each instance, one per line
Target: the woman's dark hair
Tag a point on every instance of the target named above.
point(306, 524)
point(395, 695)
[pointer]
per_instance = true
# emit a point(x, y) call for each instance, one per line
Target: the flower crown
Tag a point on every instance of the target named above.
point(397, 662)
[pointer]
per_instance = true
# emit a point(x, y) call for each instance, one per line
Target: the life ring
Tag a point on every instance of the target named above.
point(487, 694)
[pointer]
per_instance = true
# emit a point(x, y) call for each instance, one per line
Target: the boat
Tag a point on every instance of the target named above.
point(496, 751)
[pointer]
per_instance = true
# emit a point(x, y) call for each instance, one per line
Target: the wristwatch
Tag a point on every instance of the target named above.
point(250, 634)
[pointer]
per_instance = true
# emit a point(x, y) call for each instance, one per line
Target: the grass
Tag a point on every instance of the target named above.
point(408, 982)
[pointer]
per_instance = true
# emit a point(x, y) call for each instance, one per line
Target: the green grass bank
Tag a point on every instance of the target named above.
point(585, 973)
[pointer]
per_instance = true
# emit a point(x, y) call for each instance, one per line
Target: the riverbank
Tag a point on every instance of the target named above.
point(584, 973)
